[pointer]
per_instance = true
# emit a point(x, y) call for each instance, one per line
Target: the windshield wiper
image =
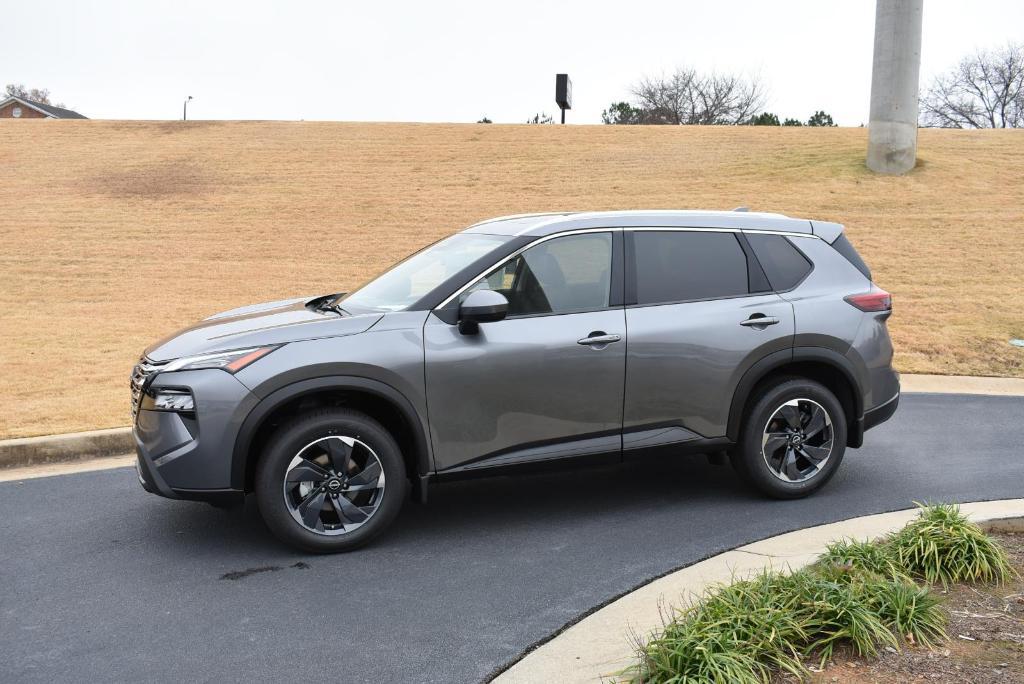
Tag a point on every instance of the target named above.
point(330, 303)
point(336, 308)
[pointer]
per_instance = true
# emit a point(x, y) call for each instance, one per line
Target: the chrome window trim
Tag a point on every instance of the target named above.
point(612, 229)
point(687, 229)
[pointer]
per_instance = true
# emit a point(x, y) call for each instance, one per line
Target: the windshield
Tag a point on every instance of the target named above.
point(407, 282)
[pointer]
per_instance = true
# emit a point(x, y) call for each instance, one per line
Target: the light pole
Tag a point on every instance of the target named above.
point(184, 111)
point(892, 129)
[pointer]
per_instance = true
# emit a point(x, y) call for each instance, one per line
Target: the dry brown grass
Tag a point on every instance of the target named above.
point(116, 233)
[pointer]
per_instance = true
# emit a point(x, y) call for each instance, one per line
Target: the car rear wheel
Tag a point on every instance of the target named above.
point(792, 440)
point(330, 481)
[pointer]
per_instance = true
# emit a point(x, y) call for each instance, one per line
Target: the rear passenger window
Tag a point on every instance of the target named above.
point(783, 263)
point(676, 266)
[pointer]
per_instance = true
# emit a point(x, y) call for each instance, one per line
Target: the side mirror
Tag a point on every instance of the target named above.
point(481, 306)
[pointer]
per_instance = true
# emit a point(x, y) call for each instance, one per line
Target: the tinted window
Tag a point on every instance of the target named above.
point(844, 247)
point(571, 273)
point(676, 266)
point(783, 263)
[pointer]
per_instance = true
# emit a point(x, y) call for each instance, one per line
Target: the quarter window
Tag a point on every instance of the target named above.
point(566, 274)
point(783, 263)
point(677, 266)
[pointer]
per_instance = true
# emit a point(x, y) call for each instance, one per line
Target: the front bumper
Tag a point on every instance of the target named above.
point(152, 482)
point(188, 456)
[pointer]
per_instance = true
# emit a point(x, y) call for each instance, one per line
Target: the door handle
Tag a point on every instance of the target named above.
point(598, 338)
point(758, 320)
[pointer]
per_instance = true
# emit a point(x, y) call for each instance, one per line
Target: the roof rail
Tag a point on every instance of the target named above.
point(512, 217)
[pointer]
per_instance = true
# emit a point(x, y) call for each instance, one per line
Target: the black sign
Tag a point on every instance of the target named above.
point(563, 91)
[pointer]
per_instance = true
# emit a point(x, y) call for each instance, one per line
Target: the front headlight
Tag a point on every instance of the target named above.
point(169, 400)
point(231, 361)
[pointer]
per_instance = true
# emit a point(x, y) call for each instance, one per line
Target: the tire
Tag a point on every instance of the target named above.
point(330, 481)
point(791, 462)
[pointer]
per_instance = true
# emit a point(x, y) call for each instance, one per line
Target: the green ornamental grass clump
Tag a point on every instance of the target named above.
point(912, 612)
point(744, 631)
point(864, 555)
point(859, 594)
point(839, 606)
point(738, 633)
point(942, 545)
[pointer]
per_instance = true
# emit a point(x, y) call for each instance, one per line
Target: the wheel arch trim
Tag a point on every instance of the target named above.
point(785, 357)
point(278, 398)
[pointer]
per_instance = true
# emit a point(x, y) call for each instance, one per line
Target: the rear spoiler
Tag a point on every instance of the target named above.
point(826, 231)
point(832, 233)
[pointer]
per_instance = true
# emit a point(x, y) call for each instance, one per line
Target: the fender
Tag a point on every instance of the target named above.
point(781, 358)
point(285, 394)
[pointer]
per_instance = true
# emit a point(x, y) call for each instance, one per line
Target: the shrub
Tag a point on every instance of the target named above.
point(742, 632)
point(839, 606)
point(857, 593)
point(912, 612)
point(864, 555)
point(942, 545)
point(735, 634)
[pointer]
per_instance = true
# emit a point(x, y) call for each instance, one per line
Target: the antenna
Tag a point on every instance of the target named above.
point(742, 209)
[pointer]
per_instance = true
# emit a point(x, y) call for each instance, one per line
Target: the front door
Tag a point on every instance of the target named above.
point(545, 383)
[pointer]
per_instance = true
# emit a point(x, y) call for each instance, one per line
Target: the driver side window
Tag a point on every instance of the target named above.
point(563, 275)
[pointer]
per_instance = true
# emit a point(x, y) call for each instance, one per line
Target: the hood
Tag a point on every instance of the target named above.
point(287, 320)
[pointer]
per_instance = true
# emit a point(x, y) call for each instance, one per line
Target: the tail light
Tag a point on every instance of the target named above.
point(874, 301)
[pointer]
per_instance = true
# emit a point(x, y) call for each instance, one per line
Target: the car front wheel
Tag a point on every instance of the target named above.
point(792, 440)
point(330, 481)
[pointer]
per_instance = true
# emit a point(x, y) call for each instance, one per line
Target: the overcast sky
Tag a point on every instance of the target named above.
point(455, 61)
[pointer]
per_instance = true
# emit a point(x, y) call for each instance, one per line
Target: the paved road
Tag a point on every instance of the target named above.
point(100, 581)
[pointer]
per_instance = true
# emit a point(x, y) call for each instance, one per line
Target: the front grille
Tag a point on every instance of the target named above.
point(140, 374)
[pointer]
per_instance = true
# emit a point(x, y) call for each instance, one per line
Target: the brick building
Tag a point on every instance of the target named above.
point(15, 107)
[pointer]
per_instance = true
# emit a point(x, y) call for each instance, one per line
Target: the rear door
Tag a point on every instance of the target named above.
point(699, 312)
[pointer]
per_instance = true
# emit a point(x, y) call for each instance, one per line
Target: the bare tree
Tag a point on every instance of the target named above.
point(688, 97)
point(35, 94)
point(986, 90)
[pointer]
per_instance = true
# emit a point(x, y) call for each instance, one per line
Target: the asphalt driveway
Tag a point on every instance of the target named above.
point(101, 581)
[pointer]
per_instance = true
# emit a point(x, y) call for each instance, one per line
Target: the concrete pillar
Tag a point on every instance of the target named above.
point(892, 129)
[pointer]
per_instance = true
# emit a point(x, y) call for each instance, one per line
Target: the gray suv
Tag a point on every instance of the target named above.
point(522, 341)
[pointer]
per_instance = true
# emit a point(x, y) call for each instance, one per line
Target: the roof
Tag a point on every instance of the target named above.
point(48, 109)
point(540, 225)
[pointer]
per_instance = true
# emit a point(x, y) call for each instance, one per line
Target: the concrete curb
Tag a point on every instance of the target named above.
point(32, 472)
point(76, 446)
point(962, 384)
point(601, 644)
point(82, 446)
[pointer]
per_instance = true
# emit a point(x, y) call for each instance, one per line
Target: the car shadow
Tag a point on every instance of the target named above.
point(470, 510)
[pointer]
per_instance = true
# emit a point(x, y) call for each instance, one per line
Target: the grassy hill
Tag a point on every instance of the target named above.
point(113, 234)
